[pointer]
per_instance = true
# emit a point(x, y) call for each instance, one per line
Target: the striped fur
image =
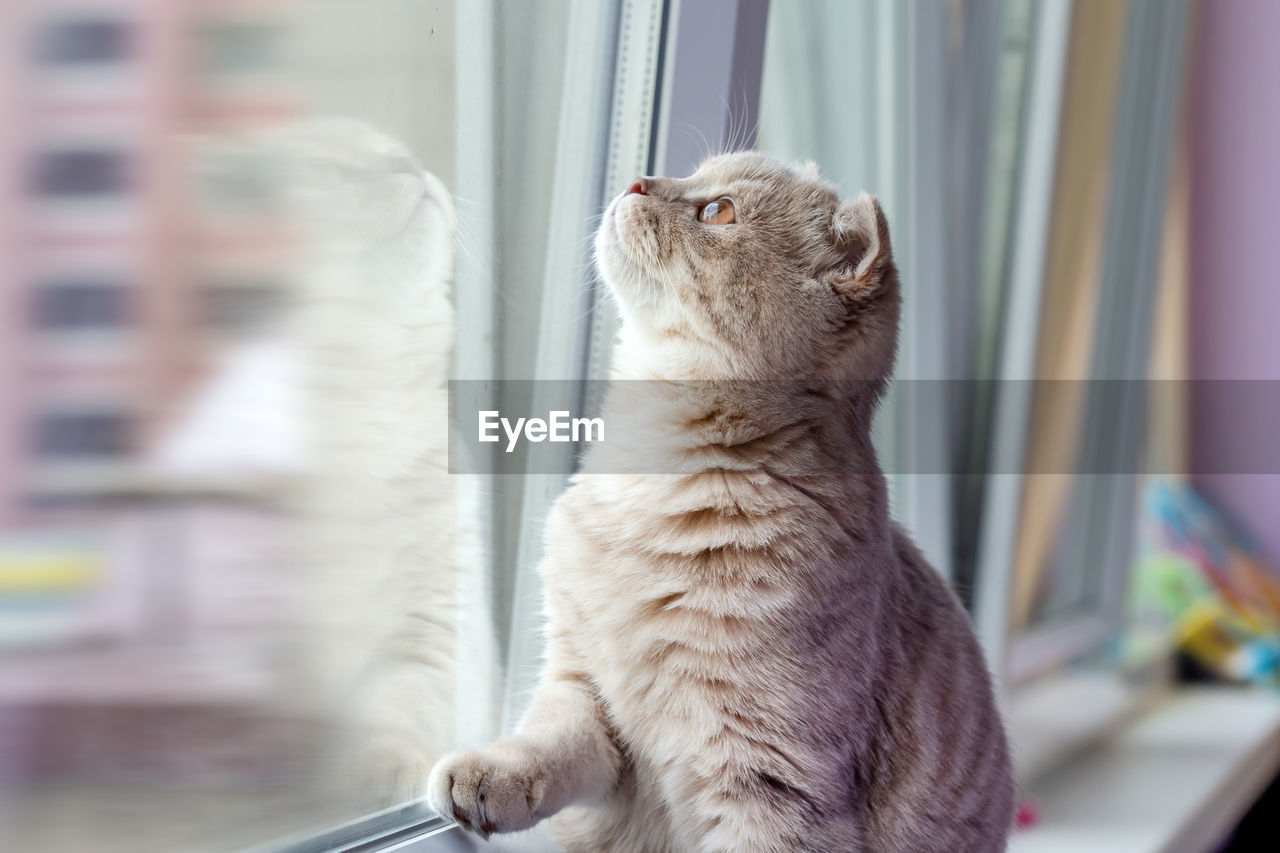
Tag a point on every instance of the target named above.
point(744, 653)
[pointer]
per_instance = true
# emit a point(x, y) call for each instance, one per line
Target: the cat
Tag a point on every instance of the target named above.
point(387, 525)
point(747, 655)
point(381, 526)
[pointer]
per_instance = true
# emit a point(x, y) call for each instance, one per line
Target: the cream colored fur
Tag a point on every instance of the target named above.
point(743, 652)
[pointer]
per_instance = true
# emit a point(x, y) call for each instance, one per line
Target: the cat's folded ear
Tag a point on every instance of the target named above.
point(860, 234)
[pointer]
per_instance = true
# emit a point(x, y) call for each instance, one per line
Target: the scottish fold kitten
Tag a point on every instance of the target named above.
point(747, 655)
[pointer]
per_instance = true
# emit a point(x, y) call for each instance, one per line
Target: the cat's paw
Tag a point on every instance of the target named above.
point(498, 790)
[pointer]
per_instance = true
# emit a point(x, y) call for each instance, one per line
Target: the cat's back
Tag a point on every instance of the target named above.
point(942, 767)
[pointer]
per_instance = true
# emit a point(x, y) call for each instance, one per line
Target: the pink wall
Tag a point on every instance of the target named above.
point(1235, 259)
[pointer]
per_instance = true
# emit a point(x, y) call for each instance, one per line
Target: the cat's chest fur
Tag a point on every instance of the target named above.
point(718, 622)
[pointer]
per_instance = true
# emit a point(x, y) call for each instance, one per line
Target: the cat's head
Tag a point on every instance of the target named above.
point(751, 268)
point(377, 228)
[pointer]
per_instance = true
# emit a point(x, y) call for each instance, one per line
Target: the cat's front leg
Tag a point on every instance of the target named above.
point(563, 754)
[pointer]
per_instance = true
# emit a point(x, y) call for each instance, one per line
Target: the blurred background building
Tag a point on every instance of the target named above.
point(143, 606)
point(151, 581)
point(127, 266)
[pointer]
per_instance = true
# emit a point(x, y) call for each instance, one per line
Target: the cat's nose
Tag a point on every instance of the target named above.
point(640, 187)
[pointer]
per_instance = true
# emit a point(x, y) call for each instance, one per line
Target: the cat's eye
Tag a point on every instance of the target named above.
point(718, 212)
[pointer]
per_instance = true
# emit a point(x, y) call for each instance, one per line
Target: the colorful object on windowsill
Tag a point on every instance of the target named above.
point(1209, 587)
point(1026, 816)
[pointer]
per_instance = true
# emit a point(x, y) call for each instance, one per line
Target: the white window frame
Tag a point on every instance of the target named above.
point(1146, 109)
point(1000, 515)
point(1053, 711)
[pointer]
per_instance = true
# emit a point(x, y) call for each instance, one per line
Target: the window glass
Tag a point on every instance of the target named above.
point(980, 348)
point(240, 306)
point(248, 599)
point(808, 111)
point(1054, 578)
point(1015, 120)
point(864, 139)
point(237, 47)
point(243, 594)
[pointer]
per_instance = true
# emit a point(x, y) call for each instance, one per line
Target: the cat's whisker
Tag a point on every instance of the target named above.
point(731, 142)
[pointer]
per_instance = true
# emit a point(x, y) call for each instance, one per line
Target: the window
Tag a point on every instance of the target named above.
point(81, 435)
point(1022, 159)
point(81, 304)
point(300, 604)
point(1075, 351)
point(89, 41)
point(233, 178)
point(883, 135)
point(241, 306)
point(237, 46)
point(81, 173)
point(300, 608)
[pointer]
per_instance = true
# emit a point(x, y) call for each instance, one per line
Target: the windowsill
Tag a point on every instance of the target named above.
point(454, 840)
point(1060, 715)
point(1176, 780)
point(411, 828)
